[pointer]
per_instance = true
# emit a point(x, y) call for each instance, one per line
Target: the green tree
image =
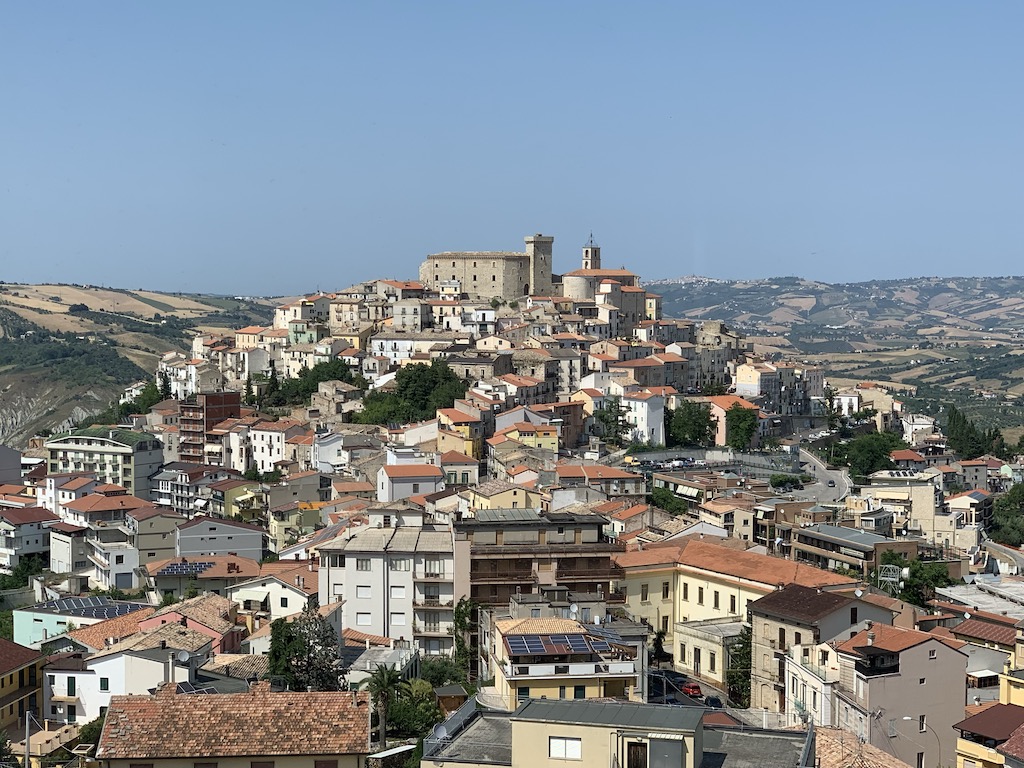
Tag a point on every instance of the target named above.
point(7, 756)
point(658, 654)
point(273, 383)
point(464, 619)
point(870, 453)
point(1008, 517)
point(90, 732)
point(249, 398)
point(664, 499)
point(315, 651)
point(416, 712)
point(612, 420)
point(420, 390)
point(386, 686)
point(165, 386)
point(441, 670)
point(741, 426)
point(693, 424)
point(283, 647)
point(737, 677)
point(832, 413)
point(922, 579)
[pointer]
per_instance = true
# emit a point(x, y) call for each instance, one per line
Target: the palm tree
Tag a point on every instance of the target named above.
point(386, 686)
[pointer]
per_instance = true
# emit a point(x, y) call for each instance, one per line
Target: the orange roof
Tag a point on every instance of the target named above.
point(725, 402)
point(888, 638)
point(454, 457)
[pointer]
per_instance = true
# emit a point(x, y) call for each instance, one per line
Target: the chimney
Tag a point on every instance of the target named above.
point(871, 638)
point(170, 665)
point(310, 564)
point(868, 624)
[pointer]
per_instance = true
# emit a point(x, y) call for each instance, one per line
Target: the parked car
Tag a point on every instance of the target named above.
point(831, 483)
point(692, 689)
point(714, 702)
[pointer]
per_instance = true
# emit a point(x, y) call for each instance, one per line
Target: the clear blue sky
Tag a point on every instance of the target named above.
point(273, 148)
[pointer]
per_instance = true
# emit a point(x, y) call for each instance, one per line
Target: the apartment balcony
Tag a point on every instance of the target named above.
point(431, 630)
point(819, 671)
point(502, 576)
point(432, 576)
point(578, 669)
point(598, 573)
point(432, 602)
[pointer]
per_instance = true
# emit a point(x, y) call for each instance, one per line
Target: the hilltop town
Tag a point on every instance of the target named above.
point(498, 515)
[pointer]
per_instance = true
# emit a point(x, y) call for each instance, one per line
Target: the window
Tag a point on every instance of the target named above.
point(535, 613)
point(398, 619)
point(398, 592)
point(796, 638)
point(716, 600)
point(71, 686)
point(401, 564)
point(920, 681)
point(104, 683)
point(922, 723)
point(362, 563)
point(284, 602)
point(325, 764)
point(686, 592)
point(711, 661)
point(363, 592)
point(523, 693)
point(644, 596)
point(579, 692)
point(793, 685)
point(362, 619)
point(664, 590)
point(700, 595)
point(814, 700)
point(561, 691)
point(664, 623)
point(561, 748)
point(920, 760)
point(259, 764)
point(118, 559)
point(415, 487)
point(932, 654)
point(853, 615)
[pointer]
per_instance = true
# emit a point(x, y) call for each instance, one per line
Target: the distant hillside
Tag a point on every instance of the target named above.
point(66, 351)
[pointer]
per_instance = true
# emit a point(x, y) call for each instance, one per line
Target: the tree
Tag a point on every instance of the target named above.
point(737, 677)
point(870, 453)
point(832, 412)
point(740, 426)
point(663, 498)
point(315, 652)
point(693, 424)
point(420, 390)
point(165, 386)
point(612, 420)
point(464, 619)
point(1008, 517)
point(90, 733)
point(273, 384)
point(441, 670)
point(922, 578)
point(249, 398)
point(304, 652)
point(386, 686)
point(7, 756)
point(658, 654)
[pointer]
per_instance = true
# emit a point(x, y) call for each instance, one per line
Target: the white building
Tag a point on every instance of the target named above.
point(395, 582)
point(400, 481)
point(645, 415)
point(217, 536)
point(23, 533)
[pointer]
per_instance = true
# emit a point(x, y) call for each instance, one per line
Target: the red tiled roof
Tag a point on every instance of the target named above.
point(179, 727)
point(13, 656)
point(25, 515)
point(976, 629)
point(412, 470)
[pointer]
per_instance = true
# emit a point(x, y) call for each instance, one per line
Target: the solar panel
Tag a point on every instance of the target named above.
point(534, 644)
point(559, 640)
point(578, 643)
point(517, 645)
point(600, 645)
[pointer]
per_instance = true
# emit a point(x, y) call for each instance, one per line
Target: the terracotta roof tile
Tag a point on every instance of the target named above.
point(119, 627)
point(181, 727)
point(13, 656)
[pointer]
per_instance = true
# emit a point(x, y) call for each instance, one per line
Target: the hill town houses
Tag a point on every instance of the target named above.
point(177, 538)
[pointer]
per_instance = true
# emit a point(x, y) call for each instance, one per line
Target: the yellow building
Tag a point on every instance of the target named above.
point(458, 431)
point(498, 494)
point(993, 731)
point(559, 659)
point(20, 685)
point(698, 579)
point(532, 435)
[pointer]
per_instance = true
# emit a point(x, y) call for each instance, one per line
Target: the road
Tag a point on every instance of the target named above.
point(821, 491)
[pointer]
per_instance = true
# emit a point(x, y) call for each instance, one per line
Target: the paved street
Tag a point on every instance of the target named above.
point(820, 491)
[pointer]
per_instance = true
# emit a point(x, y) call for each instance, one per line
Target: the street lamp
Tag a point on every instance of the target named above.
point(938, 741)
point(28, 752)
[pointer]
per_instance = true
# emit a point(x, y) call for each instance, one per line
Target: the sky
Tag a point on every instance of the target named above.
point(265, 148)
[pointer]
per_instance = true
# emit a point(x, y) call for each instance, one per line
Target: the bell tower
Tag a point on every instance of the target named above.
point(591, 254)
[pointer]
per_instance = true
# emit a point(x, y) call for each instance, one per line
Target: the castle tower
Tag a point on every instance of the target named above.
point(538, 250)
point(591, 254)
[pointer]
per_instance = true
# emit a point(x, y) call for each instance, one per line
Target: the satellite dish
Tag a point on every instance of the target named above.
point(574, 608)
point(184, 657)
point(439, 732)
point(967, 615)
point(859, 592)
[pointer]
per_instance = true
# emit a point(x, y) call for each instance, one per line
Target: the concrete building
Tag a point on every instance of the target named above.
point(902, 691)
point(197, 416)
point(396, 582)
point(24, 532)
point(805, 617)
point(215, 536)
point(116, 455)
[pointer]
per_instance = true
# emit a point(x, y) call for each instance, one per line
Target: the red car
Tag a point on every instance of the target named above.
point(692, 689)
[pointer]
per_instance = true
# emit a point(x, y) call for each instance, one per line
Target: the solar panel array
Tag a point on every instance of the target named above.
point(555, 645)
point(90, 607)
point(600, 630)
point(184, 569)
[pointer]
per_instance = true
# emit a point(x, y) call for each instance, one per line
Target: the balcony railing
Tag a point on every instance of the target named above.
point(590, 574)
point(432, 602)
point(502, 576)
point(579, 669)
point(432, 575)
